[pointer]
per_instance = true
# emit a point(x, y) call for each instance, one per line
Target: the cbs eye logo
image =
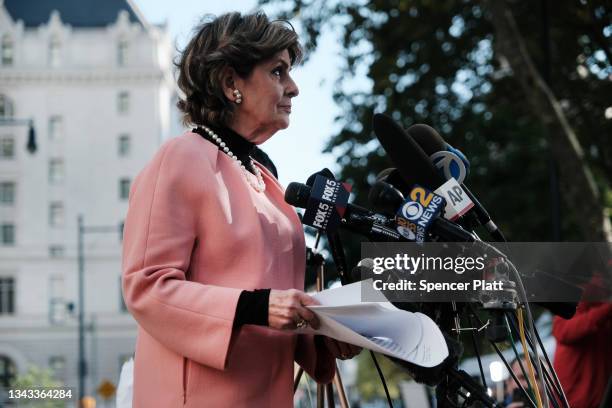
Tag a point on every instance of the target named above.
point(413, 210)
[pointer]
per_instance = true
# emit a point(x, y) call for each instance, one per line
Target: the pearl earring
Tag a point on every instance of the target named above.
point(238, 96)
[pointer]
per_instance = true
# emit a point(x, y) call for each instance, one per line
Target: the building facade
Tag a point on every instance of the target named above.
point(94, 80)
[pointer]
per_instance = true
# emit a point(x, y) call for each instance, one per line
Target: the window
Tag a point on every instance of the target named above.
point(54, 51)
point(124, 188)
point(8, 371)
point(55, 127)
point(7, 193)
point(124, 145)
point(57, 364)
point(121, 228)
point(6, 107)
point(57, 304)
point(56, 251)
point(56, 171)
point(122, 52)
point(7, 147)
point(7, 234)
point(56, 214)
point(7, 295)
point(6, 56)
point(123, 102)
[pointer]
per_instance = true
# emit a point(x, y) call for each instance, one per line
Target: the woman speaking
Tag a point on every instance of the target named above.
point(213, 257)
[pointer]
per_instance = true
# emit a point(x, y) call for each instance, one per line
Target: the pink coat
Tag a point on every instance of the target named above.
point(196, 234)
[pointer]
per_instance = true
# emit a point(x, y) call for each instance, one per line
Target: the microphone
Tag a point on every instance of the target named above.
point(324, 172)
point(385, 197)
point(354, 218)
point(328, 213)
point(407, 155)
point(333, 237)
point(363, 270)
point(433, 144)
point(449, 161)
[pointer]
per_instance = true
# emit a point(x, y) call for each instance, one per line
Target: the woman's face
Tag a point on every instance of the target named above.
point(266, 99)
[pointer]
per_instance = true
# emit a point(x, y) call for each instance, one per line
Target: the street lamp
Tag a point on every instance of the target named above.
point(81, 231)
point(31, 145)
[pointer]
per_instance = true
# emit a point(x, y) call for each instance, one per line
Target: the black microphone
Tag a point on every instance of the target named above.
point(378, 227)
point(385, 197)
point(333, 237)
point(431, 142)
point(357, 219)
point(411, 161)
point(324, 172)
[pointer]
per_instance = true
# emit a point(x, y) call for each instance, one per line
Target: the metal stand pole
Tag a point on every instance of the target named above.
point(337, 381)
point(81, 262)
point(82, 363)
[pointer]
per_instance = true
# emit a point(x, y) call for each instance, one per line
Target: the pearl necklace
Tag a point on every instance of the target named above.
point(260, 186)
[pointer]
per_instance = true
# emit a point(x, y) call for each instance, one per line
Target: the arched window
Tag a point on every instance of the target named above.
point(6, 107)
point(8, 371)
point(54, 51)
point(6, 52)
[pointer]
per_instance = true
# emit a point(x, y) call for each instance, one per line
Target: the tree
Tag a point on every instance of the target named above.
point(36, 378)
point(576, 177)
point(450, 64)
point(438, 63)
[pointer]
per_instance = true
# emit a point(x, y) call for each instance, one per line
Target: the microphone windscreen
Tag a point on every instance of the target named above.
point(363, 270)
point(324, 172)
point(427, 138)
point(403, 184)
point(411, 161)
point(297, 194)
point(385, 197)
point(385, 173)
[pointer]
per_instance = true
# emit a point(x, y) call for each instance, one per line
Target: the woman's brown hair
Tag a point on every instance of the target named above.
point(230, 40)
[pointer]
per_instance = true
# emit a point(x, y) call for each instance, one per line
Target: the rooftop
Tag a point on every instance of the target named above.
point(77, 13)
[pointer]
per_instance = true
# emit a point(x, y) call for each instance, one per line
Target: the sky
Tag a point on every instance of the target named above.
point(296, 151)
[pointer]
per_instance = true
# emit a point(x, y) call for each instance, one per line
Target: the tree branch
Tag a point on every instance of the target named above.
point(577, 181)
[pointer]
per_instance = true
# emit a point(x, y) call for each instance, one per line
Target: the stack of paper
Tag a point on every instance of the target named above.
point(378, 326)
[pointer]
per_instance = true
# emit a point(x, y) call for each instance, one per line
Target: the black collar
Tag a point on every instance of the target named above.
point(242, 148)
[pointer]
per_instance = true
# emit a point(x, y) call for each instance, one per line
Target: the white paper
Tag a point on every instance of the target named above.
point(378, 326)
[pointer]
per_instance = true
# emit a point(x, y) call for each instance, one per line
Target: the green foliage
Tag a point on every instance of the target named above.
point(39, 378)
point(435, 63)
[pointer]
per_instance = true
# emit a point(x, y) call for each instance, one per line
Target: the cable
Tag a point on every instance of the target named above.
point(558, 387)
point(382, 378)
point(548, 382)
point(523, 294)
point(503, 359)
point(526, 352)
point(550, 388)
point(516, 353)
point(482, 376)
point(555, 385)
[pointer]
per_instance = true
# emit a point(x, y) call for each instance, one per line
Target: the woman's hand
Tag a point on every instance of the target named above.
point(286, 310)
point(340, 349)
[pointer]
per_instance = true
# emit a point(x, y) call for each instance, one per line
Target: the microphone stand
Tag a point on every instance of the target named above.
point(457, 379)
point(316, 260)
